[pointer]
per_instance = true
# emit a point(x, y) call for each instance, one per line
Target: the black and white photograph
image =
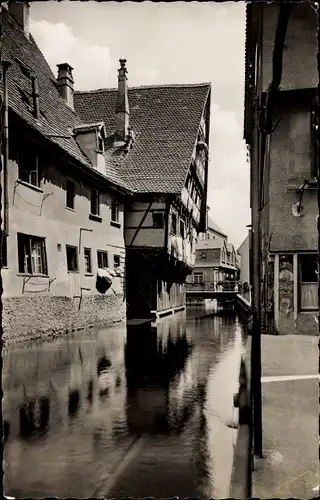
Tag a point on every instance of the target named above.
point(160, 249)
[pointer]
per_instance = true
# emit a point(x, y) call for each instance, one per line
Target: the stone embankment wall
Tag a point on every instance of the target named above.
point(26, 318)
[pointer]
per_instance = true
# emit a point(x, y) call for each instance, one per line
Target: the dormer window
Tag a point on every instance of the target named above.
point(90, 139)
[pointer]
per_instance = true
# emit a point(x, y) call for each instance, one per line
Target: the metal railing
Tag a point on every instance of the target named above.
point(213, 286)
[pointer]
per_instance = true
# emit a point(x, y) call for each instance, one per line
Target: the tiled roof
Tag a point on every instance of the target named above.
point(165, 120)
point(56, 117)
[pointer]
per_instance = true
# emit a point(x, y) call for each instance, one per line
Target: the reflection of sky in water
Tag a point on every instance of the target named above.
point(78, 403)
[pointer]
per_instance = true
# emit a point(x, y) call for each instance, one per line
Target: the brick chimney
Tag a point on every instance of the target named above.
point(20, 11)
point(122, 107)
point(65, 83)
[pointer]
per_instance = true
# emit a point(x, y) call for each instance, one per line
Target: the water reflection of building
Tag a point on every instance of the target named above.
point(166, 366)
point(47, 387)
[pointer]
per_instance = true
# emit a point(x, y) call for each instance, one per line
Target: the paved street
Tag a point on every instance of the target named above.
point(290, 466)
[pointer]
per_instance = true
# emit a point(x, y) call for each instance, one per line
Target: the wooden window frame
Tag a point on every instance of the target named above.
point(28, 253)
point(173, 223)
point(155, 224)
point(70, 194)
point(95, 202)
point(87, 253)
point(102, 254)
point(116, 266)
point(305, 283)
point(75, 248)
point(115, 211)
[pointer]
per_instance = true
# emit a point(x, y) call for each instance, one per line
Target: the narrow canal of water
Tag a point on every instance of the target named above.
point(113, 412)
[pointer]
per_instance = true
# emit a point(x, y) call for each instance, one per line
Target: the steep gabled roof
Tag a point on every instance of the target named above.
point(165, 120)
point(57, 120)
point(214, 227)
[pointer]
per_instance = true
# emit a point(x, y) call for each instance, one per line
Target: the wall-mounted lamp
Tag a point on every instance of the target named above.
point(297, 207)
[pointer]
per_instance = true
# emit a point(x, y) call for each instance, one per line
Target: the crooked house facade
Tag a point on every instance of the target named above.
point(104, 192)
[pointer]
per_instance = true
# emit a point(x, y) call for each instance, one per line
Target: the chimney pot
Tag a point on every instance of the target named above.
point(65, 83)
point(122, 106)
point(20, 11)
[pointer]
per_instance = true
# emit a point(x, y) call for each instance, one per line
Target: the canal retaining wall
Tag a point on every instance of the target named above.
point(29, 317)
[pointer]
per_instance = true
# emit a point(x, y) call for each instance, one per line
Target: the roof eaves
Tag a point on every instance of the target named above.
point(196, 138)
point(138, 87)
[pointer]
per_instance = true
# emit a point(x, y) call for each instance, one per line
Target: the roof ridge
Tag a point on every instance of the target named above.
point(164, 85)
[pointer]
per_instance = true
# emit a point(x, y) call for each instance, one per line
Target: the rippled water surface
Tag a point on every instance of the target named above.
point(139, 411)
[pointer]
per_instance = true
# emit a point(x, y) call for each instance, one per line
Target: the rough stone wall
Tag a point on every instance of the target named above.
point(306, 324)
point(28, 317)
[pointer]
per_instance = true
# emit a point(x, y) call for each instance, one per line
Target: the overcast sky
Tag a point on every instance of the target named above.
point(164, 43)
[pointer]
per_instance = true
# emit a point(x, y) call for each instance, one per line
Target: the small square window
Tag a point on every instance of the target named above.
point(115, 210)
point(72, 258)
point(203, 255)
point(198, 277)
point(95, 202)
point(70, 194)
point(173, 224)
point(102, 258)
point(87, 261)
point(116, 261)
point(158, 219)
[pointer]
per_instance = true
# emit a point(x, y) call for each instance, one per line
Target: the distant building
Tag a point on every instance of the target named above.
point(157, 141)
point(63, 216)
point(280, 99)
point(216, 259)
point(244, 252)
point(213, 232)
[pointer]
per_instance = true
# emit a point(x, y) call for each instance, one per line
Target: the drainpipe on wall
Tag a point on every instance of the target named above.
point(5, 149)
point(260, 140)
point(317, 156)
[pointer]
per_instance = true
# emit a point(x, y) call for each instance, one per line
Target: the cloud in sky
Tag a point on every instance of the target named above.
point(164, 43)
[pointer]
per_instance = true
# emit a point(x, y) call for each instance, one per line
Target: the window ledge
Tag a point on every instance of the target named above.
point(73, 272)
point(31, 186)
point(70, 209)
point(297, 185)
point(88, 274)
point(115, 224)
point(25, 275)
point(96, 218)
